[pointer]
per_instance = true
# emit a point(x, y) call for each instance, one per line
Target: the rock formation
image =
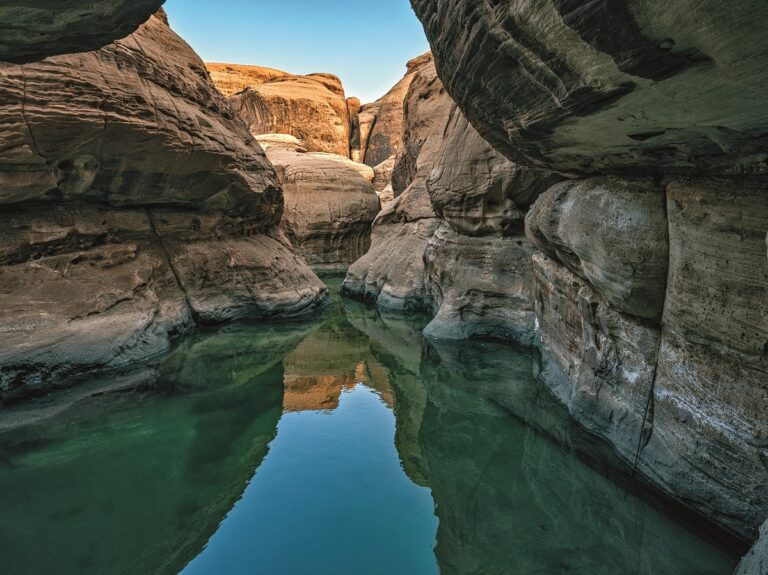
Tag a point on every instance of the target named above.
point(329, 202)
point(453, 241)
point(650, 275)
point(379, 126)
point(392, 273)
point(233, 78)
point(609, 87)
point(35, 29)
point(135, 203)
point(312, 108)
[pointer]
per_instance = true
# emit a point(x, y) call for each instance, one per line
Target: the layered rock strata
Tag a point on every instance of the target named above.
point(135, 204)
point(609, 87)
point(330, 203)
point(650, 285)
point(312, 108)
point(36, 29)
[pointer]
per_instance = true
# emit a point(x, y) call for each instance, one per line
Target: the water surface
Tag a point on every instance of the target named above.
point(346, 445)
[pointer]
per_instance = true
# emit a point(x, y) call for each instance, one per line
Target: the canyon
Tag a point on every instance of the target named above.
point(589, 180)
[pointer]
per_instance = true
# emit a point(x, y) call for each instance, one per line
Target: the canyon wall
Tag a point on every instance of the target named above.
point(134, 204)
point(452, 242)
point(312, 108)
point(35, 29)
point(330, 202)
point(650, 275)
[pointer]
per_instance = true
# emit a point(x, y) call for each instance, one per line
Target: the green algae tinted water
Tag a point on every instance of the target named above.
point(342, 446)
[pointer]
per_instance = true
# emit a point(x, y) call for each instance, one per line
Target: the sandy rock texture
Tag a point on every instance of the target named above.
point(452, 242)
point(312, 108)
point(330, 202)
point(230, 79)
point(609, 87)
point(36, 29)
point(135, 204)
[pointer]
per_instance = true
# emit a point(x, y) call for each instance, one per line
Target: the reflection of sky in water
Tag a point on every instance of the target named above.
point(331, 497)
point(346, 445)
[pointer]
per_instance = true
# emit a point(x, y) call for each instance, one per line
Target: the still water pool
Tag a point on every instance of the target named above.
point(343, 446)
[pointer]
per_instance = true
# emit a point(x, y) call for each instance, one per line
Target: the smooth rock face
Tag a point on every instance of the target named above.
point(682, 393)
point(710, 438)
point(612, 233)
point(605, 87)
point(480, 287)
point(312, 108)
point(136, 123)
point(36, 29)
point(230, 79)
point(599, 362)
point(476, 189)
point(392, 274)
point(329, 205)
point(135, 204)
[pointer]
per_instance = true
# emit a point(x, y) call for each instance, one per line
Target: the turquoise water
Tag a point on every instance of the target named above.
point(347, 445)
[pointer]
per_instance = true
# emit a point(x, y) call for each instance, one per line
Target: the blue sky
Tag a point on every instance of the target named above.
point(365, 42)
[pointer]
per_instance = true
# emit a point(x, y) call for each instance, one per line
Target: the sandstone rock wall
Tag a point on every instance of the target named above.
point(330, 204)
point(35, 29)
point(230, 79)
point(650, 286)
point(312, 108)
point(452, 241)
point(135, 204)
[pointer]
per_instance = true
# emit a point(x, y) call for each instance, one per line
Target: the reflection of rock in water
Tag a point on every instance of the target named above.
point(138, 482)
point(335, 357)
point(511, 501)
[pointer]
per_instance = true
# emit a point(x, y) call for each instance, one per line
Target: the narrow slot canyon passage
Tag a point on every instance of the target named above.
point(479, 289)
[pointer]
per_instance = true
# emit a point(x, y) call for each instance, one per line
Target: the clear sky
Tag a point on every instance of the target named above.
point(364, 42)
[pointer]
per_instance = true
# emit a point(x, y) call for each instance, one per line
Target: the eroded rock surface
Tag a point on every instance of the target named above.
point(330, 203)
point(233, 78)
point(312, 108)
point(609, 87)
point(392, 274)
point(650, 289)
point(379, 126)
point(36, 29)
point(135, 204)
